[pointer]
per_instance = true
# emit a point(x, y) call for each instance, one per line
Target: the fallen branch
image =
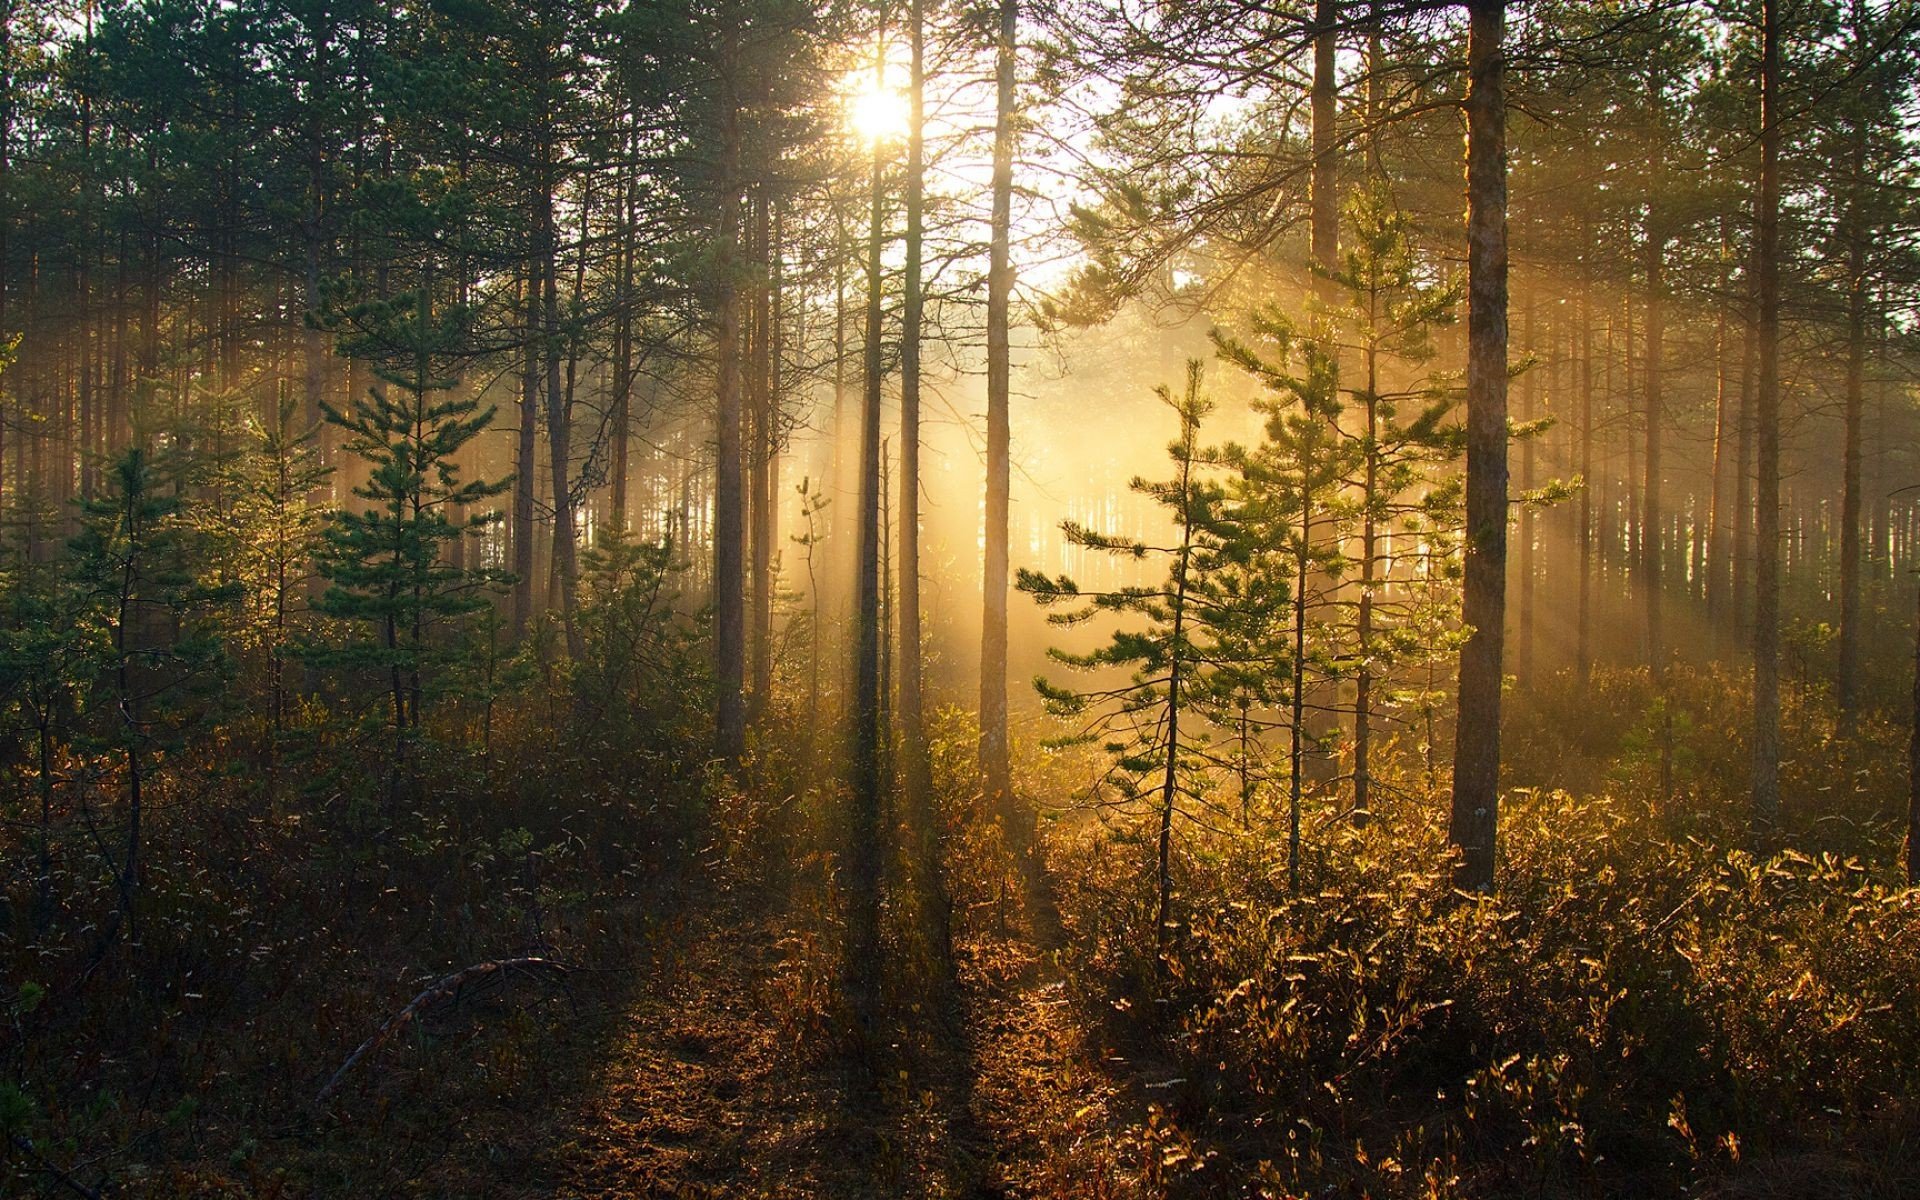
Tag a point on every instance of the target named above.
point(442, 989)
point(43, 1163)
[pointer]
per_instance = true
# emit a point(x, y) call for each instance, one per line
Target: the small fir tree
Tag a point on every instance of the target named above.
point(1407, 445)
point(1291, 490)
point(386, 563)
point(267, 540)
point(1202, 622)
point(161, 665)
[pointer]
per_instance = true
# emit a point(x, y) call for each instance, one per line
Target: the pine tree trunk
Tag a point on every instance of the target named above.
point(1631, 432)
point(525, 448)
point(912, 718)
point(622, 415)
point(1742, 564)
point(760, 456)
point(869, 735)
point(1363, 619)
point(729, 495)
point(917, 773)
point(1583, 620)
point(6, 215)
point(1297, 692)
point(1653, 379)
point(1527, 569)
point(1476, 762)
point(1718, 541)
point(84, 250)
point(316, 247)
point(1324, 183)
point(1880, 566)
point(995, 764)
point(771, 445)
point(839, 564)
point(1170, 777)
point(1847, 689)
point(1913, 768)
point(1766, 608)
point(565, 572)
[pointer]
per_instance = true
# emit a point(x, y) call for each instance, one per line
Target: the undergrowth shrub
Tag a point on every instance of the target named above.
point(1642, 1007)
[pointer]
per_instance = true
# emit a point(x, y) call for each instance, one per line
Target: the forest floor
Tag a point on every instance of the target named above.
point(687, 1080)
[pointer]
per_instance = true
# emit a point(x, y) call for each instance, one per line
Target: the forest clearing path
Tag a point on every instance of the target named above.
point(1043, 1099)
point(703, 1092)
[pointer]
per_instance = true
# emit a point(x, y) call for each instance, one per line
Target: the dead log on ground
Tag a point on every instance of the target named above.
point(446, 988)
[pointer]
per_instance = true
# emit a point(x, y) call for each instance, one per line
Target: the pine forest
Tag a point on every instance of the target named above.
point(974, 599)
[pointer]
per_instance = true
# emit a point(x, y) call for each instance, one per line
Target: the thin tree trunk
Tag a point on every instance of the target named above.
point(1363, 620)
point(771, 445)
point(917, 775)
point(1323, 183)
point(760, 456)
point(729, 495)
point(995, 763)
point(912, 718)
point(43, 892)
point(1880, 522)
point(6, 212)
point(130, 708)
point(622, 416)
point(559, 417)
point(1527, 568)
point(1297, 698)
point(869, 737)
point(1718, 540)
point(1170, 780)
point(1652, 377)
point(754, 380)
point(525, 448)
point(1766, 614)
point(1847, 689)
point(83, 264)
point(1742, 565)
point(1474, 819)
point(1583, 620)
point(1913, 768)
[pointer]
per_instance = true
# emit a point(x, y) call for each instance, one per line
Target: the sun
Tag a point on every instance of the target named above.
point(877, 113)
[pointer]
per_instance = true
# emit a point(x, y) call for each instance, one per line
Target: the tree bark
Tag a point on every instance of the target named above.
point(566, 567)
point(995, 761)
point(869, 735)
point(1363, 617)
point(1474, 819)
point(1652, 379)
point(1766, 607)
point(1847, 687)
point(1742, 564)
point(1170, 779)
point(760, 498)
point(622, 415)
point(1527, 569)
point(1718, 539)
point(1583, 620)
point(729, 497)
point(917, 774)
point(1913, 768)
point(1297, 689)
point(525, 447)
point(1324, 183)
point(912, 719)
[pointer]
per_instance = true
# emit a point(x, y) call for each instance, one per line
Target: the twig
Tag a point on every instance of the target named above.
point(442, 989)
